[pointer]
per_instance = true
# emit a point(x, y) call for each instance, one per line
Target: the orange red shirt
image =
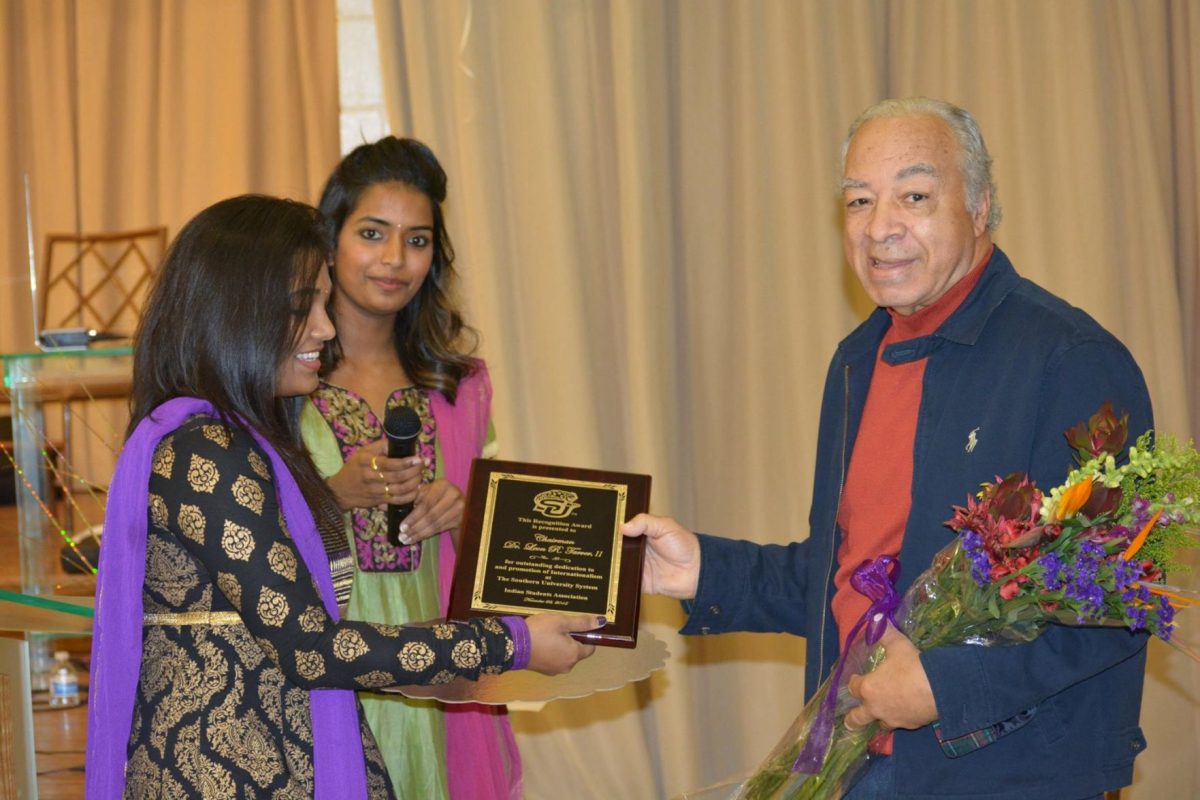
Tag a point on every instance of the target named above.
point(877, 496)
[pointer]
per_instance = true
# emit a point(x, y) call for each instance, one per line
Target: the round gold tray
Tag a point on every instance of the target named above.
point(608, 668)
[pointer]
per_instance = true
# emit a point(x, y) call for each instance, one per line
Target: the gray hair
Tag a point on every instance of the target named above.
point(976, 164)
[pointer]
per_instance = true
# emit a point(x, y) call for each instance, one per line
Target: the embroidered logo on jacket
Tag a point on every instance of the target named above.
point(972, 441)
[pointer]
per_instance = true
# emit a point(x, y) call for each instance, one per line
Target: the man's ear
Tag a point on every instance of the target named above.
point(980, 218)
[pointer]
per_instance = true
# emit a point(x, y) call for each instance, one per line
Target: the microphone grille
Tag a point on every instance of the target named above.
point(401, 422)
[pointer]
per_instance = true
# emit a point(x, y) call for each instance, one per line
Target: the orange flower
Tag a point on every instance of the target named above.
point(1073, 499)
point(1140, 539)
point(1177, 600)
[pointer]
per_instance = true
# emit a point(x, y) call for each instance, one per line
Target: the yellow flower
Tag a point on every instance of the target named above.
point(1073, 499)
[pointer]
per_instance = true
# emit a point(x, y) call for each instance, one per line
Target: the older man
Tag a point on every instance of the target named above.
point(965, 372)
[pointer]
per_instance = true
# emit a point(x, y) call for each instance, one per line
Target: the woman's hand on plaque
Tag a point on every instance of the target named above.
point(552, 650)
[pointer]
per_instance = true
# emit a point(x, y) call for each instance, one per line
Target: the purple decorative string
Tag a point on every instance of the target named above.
point(877, 581)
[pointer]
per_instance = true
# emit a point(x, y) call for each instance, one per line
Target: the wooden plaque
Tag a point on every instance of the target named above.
point(547, 539)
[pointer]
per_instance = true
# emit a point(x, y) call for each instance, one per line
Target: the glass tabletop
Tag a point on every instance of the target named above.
point(45, 614)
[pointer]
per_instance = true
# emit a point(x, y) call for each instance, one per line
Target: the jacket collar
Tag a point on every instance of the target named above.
point(963, 327)
point(998, 280)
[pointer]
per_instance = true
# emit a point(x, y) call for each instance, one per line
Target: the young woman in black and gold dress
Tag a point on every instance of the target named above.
point(221, 666)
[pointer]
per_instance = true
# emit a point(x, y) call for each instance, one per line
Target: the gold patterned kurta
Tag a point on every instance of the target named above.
point(223, 706)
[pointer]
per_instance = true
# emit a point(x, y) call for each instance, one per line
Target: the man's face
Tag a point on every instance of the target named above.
point(907, 231)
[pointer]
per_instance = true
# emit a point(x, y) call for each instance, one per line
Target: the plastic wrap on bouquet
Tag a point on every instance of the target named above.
point(818, 757)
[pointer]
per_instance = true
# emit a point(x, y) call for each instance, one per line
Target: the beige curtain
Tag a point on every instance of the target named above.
point(127, 114)
point(1184, 49)
point(132, 113)
point(643, 199)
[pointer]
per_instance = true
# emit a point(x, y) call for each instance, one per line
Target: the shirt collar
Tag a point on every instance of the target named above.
point(929, 319)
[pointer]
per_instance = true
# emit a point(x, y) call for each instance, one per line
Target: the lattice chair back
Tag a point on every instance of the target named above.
point(99, 280)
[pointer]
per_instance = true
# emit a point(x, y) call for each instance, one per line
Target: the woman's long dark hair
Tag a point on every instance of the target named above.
point(433, 342)
point(226, 309)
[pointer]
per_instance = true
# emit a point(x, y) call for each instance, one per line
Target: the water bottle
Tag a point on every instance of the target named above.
point(64, 682)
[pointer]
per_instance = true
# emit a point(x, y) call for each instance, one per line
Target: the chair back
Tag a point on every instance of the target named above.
point(99, 280)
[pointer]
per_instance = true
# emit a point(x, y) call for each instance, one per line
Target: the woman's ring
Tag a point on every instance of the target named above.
point(386, 491)
point(374, 464)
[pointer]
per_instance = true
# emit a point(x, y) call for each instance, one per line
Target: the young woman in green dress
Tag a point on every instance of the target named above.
point(402, 342)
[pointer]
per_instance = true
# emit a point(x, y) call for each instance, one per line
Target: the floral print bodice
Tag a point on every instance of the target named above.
point(355, 425)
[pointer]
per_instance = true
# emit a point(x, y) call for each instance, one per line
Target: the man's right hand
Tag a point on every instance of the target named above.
point(672, 556)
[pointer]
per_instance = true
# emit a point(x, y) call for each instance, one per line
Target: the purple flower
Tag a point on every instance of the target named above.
point(1082, 585)
point(1121, 533)
point(981, 568)
point(1126, 573)
point(1137, 617)
point(1139, 509)
point(1055, 571)
point(1165, 618)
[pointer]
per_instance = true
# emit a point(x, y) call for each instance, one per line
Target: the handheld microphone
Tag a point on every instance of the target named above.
point(401, 425)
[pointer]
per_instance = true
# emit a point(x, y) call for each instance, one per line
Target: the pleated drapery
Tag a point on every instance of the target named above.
point(643, 195)
point(127, 115)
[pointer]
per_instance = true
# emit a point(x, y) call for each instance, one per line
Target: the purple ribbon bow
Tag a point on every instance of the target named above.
point(877, 581)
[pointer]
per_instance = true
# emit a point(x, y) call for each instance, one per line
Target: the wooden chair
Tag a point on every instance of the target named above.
point(96, 281)
point(99, 280)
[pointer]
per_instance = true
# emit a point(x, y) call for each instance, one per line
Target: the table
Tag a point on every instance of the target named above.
point(19, 615)
point(32, 381)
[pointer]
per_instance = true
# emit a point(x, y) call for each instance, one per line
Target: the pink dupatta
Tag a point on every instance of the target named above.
point(482, 760)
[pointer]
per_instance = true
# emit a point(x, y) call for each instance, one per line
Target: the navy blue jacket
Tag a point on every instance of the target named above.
point(1011, 370)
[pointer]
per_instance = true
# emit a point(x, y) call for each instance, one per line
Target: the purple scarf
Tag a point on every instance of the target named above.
point(482, 760)
point(339, 766)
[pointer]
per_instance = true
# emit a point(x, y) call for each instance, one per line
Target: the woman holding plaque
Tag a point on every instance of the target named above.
point(403, 343)
point(221, 665)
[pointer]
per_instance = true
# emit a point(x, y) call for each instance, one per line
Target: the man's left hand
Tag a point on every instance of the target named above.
point(897, 692)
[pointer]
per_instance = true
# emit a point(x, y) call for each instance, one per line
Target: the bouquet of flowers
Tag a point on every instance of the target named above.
point(1092, 551)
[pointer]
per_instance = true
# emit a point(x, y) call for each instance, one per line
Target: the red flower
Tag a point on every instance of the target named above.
point(1102, 500)
point(1006, 517)
point(1016, 498)
point(1010, 590)
point(1102, 434)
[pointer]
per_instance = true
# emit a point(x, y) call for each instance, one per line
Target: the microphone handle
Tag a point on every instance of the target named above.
point(399, 448)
